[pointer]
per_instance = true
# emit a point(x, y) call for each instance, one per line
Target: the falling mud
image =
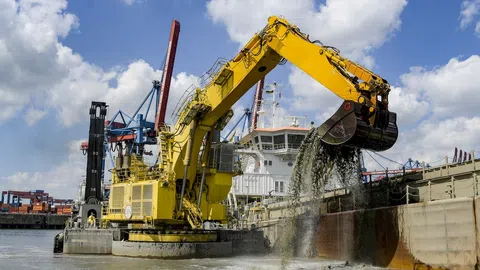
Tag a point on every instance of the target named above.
point(318, 164)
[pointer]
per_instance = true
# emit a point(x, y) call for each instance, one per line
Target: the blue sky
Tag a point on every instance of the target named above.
point(111, 35)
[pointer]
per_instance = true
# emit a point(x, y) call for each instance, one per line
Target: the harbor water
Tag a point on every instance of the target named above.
point(32, 249)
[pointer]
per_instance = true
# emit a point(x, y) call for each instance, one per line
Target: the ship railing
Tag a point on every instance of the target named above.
point(267, 147)
point(279, 146)
point(296, 121)
point(294, 145)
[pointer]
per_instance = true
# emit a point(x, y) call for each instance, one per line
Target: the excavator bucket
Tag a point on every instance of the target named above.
point(348, 127)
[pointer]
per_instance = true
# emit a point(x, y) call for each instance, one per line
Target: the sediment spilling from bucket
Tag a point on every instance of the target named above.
point(317, 165)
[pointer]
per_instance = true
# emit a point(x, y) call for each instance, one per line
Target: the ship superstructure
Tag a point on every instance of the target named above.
point(267, 153)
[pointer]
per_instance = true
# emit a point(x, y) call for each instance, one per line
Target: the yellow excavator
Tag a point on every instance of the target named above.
point(195, 170)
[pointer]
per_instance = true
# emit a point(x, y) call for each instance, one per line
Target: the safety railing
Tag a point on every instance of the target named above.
point(208, 76)
point(279, 146)
point(203, 82)
point(137, 168)
point(428, 192)
point(294, 145)
point(182, 103)
point(267, 146)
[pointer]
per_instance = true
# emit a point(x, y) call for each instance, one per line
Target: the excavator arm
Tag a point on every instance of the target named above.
point(362, 121)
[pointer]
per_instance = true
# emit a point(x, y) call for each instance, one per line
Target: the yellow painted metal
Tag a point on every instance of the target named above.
point(194, 216)
point(222, 183)
point(141, 191)
point(172, 238)
point(209, 108)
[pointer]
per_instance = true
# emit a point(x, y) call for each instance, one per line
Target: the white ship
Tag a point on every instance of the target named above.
point(267, 153)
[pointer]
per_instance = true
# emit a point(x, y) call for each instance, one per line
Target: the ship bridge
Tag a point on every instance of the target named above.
point(267, 153)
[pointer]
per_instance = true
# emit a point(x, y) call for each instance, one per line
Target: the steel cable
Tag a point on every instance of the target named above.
point(375, 160)
point(388, 159)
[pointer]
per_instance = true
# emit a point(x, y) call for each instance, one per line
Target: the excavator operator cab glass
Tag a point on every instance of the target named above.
point(221, 157)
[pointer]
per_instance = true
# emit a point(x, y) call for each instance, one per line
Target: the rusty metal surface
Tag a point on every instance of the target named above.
point(435, 235)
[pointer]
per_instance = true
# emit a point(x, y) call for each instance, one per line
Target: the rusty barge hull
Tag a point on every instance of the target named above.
point(433, 235)
point(425, 220)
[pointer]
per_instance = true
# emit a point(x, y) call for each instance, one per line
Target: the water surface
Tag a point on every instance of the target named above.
point(33, 249)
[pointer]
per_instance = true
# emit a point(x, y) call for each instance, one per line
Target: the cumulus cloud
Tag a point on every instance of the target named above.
point(336, 23)
point(468, 13)
point(62, 181)
point(437, 111)
point(33, 115)
point(29, 34)
point(451, 90)
point(59, 79)
point(87, 82)
point(431, 141)
point(410, 108)
point(309, 95)
point(40, 75)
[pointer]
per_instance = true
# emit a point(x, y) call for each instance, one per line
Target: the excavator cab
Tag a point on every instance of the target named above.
point(352, 126)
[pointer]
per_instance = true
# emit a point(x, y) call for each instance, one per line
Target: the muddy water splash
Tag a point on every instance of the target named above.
point(317, 165)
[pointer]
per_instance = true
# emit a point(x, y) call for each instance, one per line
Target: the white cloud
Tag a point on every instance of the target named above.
point(33, 115)
point(309, 95)
point(29, 34)
point(445, 101)
point(87, 82)
point(432, 140)
point(62, 181)
point(40, 75)
point(409, 106)
point(451, 90)
point(59, 78)
point(468, 13)
point(337, 23)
